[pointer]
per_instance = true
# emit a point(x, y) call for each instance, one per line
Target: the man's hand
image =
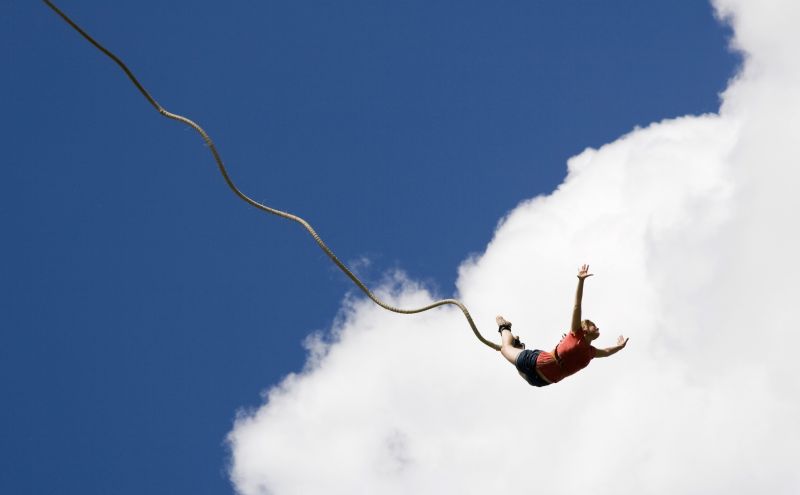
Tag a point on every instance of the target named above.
point(621, 343)
point(584, 272)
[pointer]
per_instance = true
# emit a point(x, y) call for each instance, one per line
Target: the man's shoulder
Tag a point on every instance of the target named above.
point(575, 334)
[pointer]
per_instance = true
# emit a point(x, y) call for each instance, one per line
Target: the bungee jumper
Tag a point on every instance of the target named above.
point(537, 367)
point(574, 352)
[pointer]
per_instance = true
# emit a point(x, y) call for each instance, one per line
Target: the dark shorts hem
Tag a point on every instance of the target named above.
point(526, 366)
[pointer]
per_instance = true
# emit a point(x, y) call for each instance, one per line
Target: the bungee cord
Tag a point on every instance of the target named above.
point(258, 205)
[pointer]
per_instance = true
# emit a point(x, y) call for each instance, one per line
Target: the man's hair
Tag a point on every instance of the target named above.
point(586, 323)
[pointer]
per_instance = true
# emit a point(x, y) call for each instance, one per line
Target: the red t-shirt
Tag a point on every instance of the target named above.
point(574, 352)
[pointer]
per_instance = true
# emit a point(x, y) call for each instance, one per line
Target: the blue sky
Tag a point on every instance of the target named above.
point(144, 304)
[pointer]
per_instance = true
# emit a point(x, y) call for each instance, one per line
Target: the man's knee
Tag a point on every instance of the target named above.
point(510, 352)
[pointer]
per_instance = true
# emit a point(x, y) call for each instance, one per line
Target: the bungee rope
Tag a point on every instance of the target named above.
point(260, 206)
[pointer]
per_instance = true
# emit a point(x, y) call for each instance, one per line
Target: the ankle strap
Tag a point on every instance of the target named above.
point(505, 326)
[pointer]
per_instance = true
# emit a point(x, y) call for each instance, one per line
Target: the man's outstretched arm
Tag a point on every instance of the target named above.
point(621, 343)
point(583, 274)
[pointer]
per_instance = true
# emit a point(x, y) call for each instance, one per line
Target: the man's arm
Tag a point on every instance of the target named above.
point(621, 343)
point(583, 274)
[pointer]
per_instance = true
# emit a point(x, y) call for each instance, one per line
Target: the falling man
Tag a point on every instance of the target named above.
point(572, 354)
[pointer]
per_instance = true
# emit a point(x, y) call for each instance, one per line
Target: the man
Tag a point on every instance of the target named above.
point(572, 354)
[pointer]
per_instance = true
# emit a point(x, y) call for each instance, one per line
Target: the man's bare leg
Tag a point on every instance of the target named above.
point(507, 348)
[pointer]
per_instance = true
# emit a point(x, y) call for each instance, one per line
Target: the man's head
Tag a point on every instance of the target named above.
point(590, 330)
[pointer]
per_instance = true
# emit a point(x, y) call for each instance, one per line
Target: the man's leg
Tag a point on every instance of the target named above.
point(507, 348)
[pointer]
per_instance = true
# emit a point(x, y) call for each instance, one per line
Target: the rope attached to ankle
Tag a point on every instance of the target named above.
point(260, 206)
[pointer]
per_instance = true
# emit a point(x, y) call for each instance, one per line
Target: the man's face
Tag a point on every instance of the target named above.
point(591, 331)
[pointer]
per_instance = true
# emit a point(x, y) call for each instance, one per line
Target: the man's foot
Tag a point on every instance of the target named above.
point(502, 323)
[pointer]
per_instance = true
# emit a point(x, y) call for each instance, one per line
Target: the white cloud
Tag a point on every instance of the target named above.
point(690, 227)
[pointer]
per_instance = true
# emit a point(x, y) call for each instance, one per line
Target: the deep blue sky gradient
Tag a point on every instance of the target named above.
point(143, 304)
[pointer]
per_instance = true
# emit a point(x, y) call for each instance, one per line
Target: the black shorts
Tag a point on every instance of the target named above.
point(526, 365)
